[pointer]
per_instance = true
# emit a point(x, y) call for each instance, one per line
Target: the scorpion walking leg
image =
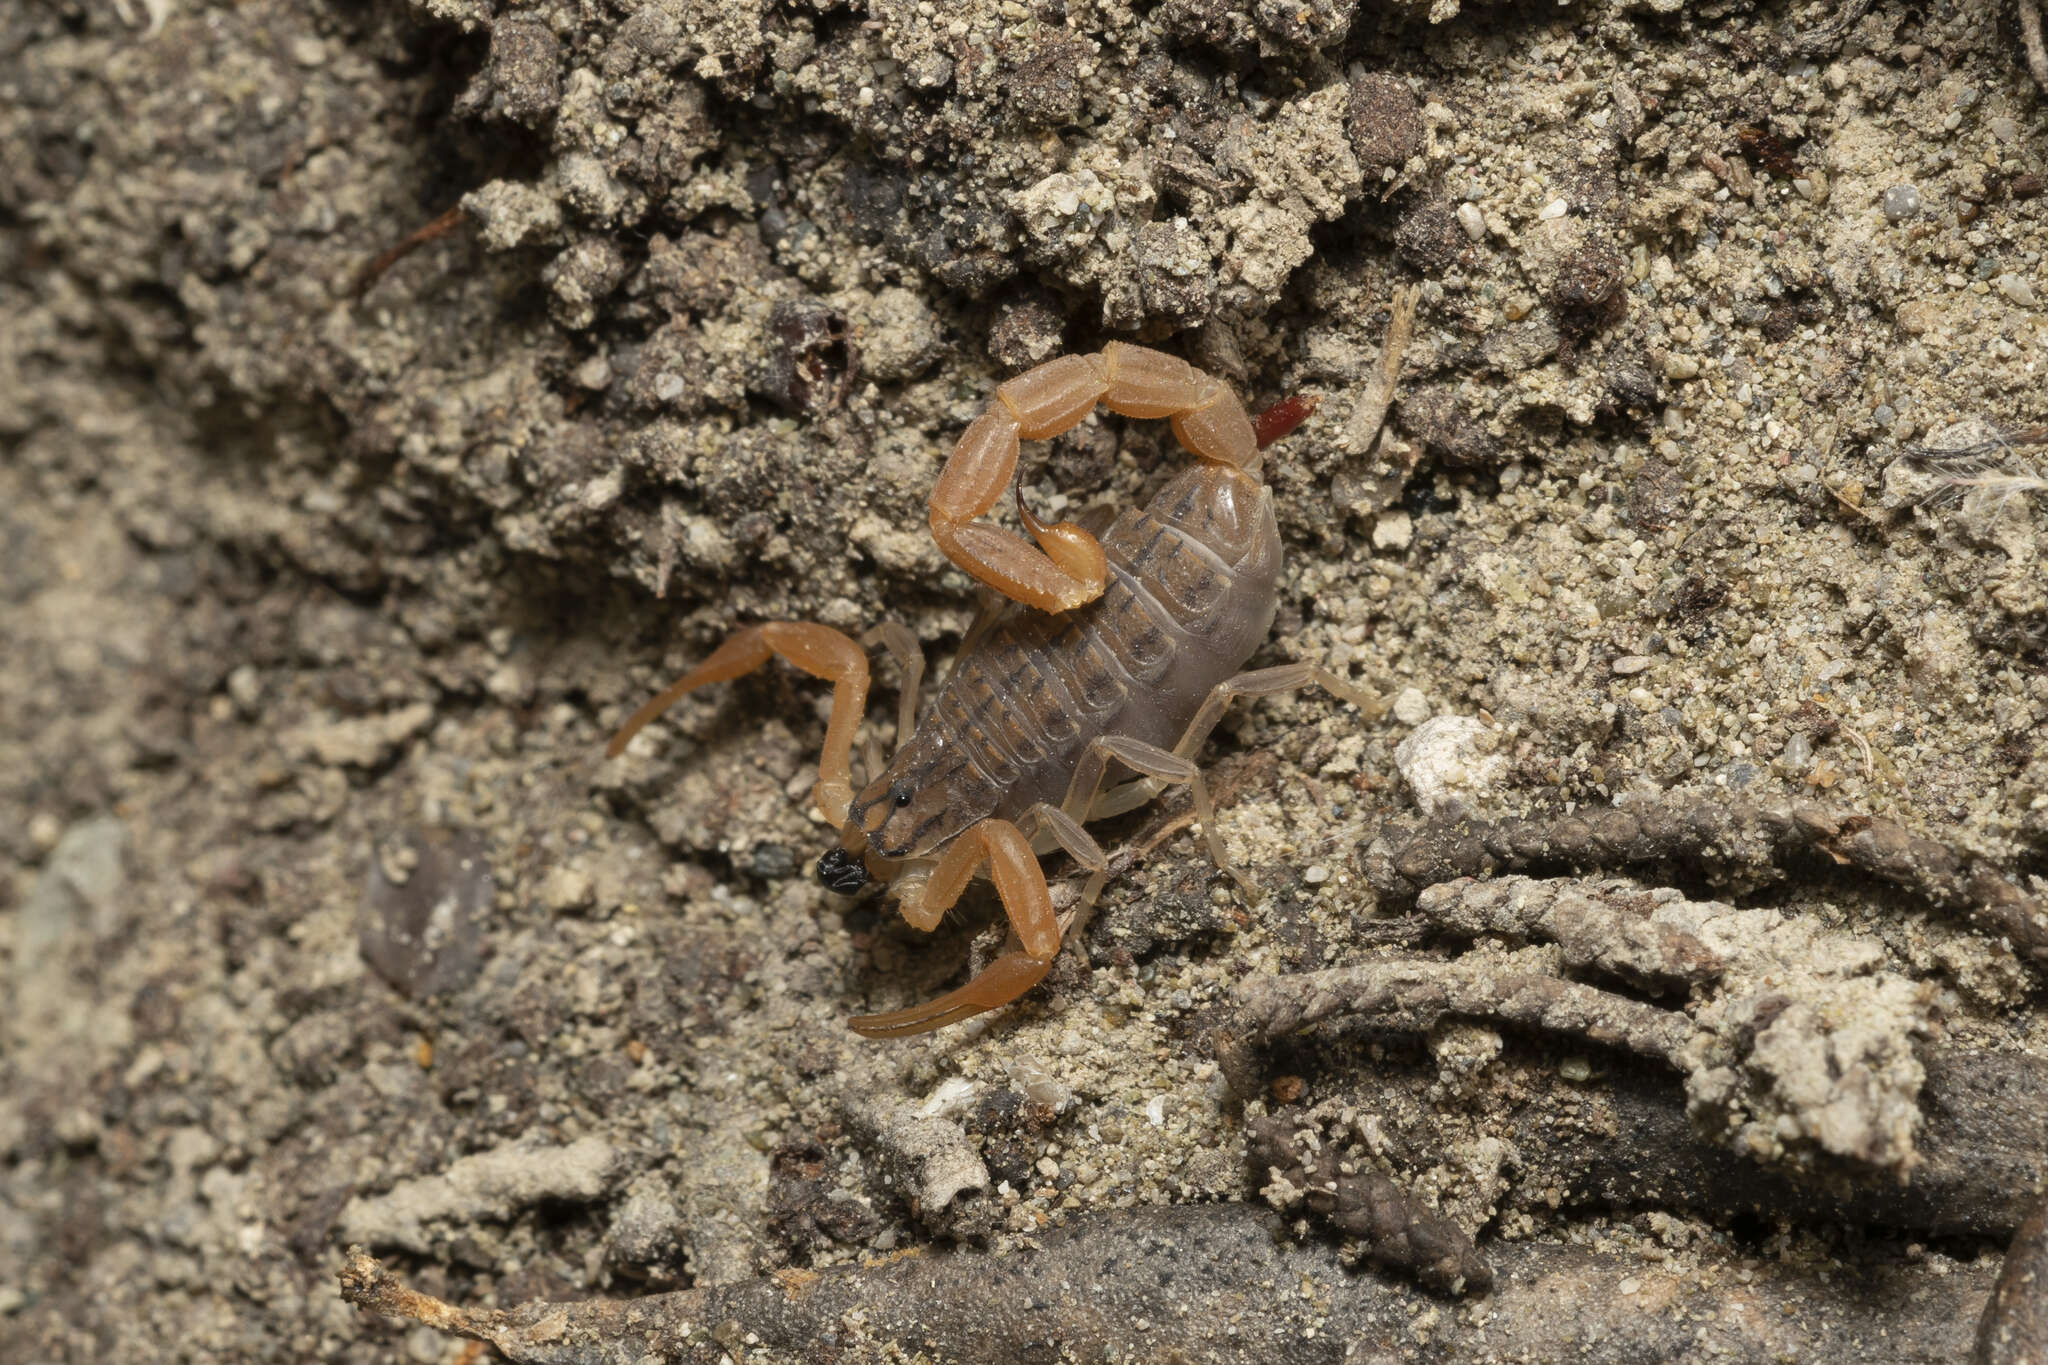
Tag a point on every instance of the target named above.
point(1050, 822)
point(1020, 883)
point(1263, 682)
point(819, 651)
point(1158, 766)
point(909, 656)
point(1267, 682)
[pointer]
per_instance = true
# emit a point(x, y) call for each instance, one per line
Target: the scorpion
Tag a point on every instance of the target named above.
point(1101, 655)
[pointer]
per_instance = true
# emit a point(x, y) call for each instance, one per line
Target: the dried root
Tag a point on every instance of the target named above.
point(1739, 841)
point(1413, 994)
point(2014, 1329)
point(1797, 1037)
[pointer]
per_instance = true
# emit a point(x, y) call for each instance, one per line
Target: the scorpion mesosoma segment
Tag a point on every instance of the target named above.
point(1110, 655)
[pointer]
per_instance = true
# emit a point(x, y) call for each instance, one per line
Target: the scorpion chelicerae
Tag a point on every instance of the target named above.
point(1107, 656)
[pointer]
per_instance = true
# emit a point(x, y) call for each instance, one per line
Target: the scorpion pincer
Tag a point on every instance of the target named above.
point(1111, 656)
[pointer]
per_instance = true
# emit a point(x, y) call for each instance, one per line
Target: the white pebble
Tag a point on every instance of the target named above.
point(1316, 876)
point(1473, 221)
point(1556, 208)
point(1450, 758)
point(1411, 707)
point(1393, 531)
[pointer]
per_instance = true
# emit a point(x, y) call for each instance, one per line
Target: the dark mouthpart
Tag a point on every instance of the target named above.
point(842, 872)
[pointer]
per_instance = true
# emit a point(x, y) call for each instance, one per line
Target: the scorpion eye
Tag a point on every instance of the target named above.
point(900, 794)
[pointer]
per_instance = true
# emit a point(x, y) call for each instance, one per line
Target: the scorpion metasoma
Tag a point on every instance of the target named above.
point(1116, 654)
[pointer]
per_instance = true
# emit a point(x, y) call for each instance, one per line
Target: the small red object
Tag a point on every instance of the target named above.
point(1283, 417)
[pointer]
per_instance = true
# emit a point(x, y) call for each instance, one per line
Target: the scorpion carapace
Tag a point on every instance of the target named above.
point(1114, 655)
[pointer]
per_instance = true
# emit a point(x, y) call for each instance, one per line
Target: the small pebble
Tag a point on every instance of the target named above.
point(1630, 1285)
point(1411, 707)
point(1678, 366)
point(2016, 288)
point(1316, 876)
point(1630, 664)
point(245, 685)
point(772, 862)
point(1901, 202)
point(1556, 208)
point(1575, 1069)
point(1394, 530)
point(566, 888)
point(1473, 221)
point(44, 830)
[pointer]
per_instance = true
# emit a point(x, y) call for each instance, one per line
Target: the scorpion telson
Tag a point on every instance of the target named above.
point(1110, 658)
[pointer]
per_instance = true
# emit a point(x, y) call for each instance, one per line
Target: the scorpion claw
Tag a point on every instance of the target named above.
point(1002, 981)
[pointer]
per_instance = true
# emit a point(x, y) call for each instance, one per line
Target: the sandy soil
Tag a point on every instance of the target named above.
point(321, 587)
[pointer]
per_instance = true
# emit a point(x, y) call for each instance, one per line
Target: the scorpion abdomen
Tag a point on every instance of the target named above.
point(1193, 582)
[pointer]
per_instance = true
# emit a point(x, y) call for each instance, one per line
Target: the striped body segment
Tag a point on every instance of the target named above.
point(1191, 591)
